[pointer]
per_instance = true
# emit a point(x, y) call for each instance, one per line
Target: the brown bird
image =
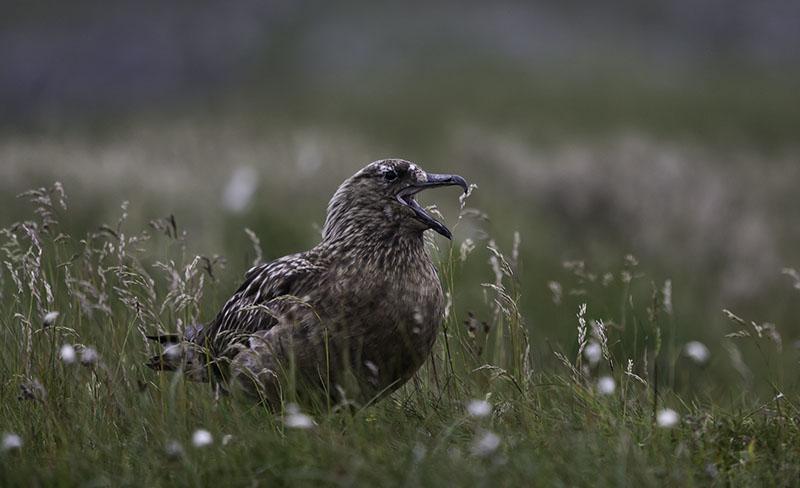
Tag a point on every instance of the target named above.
point(351, 319)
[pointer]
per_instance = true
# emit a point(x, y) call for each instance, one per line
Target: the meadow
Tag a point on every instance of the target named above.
point(621, 311)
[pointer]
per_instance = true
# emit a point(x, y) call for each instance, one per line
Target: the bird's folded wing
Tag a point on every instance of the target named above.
point(256, 304)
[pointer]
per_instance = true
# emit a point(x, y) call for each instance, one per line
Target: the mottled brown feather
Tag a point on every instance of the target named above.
point(352, 318)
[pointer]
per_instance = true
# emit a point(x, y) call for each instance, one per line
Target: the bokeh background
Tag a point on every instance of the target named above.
point(667, 130)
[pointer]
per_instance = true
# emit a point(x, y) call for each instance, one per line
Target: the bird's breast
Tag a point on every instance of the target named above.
point(400, 306)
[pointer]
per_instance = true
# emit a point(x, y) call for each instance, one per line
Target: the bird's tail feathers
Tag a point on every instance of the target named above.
point(180, 353)
point(165, 338)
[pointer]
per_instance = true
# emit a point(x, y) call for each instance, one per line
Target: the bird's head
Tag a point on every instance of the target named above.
point(381, 197)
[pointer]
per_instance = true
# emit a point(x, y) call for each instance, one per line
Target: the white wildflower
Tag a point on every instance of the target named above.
point(11, 442)
point(485, 443)
point(599, 329)
point(606, 385)
point(479, 408)
point(697, 352)
point(593, 352)
point(296, 419)
point(226, 439)
point(174, 449)
point(667, 418)
point(240, 189)
point(50, 318)
point(89, 356)
point(202, 438)
point(67, 354)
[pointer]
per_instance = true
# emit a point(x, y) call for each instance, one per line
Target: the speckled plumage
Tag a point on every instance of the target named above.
point(352, 318)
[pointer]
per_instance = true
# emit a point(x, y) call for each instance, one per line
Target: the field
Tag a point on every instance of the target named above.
point(622, 310)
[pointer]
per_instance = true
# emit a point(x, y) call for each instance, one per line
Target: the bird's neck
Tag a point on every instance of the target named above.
point(379, 246)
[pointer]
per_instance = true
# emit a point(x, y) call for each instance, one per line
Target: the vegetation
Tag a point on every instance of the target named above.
point(577, 376)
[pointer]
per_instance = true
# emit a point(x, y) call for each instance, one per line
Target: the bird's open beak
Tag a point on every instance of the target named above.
point(406, 197)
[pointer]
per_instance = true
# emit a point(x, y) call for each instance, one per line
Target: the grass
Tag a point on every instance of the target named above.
point(107, 420)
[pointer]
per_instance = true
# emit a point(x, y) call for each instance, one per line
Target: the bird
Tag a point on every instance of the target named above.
point(348, 321)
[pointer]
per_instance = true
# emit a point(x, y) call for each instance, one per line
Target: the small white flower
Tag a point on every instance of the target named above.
point(50, 318)
point(202, 438)
point(11, 441)
point(485, 443)
point(67, 354)
point(299, 421)
point(240, 189)
point(88, 356)
point(593, 352)
point(479, 408)
point(667, 418)
point(606, 385)
point(697, 352)
point(226, 439)
point(174, 449)
point(296, 419)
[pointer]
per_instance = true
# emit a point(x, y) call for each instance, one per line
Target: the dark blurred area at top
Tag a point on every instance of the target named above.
point(572, 65)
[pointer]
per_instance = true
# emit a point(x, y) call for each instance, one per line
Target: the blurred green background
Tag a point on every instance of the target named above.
point(667, 130)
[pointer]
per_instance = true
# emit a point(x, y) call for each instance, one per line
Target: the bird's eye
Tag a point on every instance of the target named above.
point(390, 175)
